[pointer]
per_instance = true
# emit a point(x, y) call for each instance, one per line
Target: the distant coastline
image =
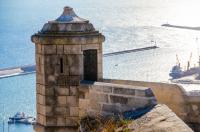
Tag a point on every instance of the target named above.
point(181, 27)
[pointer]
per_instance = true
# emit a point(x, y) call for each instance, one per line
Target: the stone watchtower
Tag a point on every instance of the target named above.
point(68, 50)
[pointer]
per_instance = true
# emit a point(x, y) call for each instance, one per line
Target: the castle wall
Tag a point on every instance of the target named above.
point(108, 99)
point(185, 105)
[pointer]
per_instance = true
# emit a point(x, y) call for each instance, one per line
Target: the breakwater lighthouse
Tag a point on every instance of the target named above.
point(68, 50)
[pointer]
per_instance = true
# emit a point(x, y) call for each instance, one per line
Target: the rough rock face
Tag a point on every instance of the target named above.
point(159, 119)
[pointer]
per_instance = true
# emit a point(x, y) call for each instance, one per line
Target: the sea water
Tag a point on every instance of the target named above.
point(126, 24)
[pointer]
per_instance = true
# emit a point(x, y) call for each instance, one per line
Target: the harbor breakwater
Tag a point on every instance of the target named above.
point(181, 27)
point(29, 69)
point(17, 71)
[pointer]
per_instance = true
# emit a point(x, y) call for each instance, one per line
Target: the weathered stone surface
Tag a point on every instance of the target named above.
point(74, 80)
point(61, 110)
point(61, 121)
point(60, 49)
point(38, 48)
point(89, 46)
point(61, 100)
point(99, 97)
point(74, 111)
point(124, 91)
point(50, 121)
point(45, 110)
point(44, 90)
point(73, 90)
point(62, 91)
point(40, 128)
point(75, 64)
point(72, 49)
point(62, 80)
point(118, 99)
point(41, 99)
point(49, 49)
point(72, 101)
point(72, 121)
point(159, 119)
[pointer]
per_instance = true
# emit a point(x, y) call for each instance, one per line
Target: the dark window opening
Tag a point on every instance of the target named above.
point(90, 65)
point(61, 65)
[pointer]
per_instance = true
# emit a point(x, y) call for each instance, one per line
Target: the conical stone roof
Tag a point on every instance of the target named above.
point(68, 22)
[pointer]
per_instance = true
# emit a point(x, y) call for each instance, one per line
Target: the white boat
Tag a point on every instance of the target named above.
point(20, 117)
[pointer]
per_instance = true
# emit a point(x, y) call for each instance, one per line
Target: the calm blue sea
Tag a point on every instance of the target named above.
point(127, 24)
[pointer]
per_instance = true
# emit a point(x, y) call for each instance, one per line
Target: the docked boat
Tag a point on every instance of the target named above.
point(177, 71)
point(21, 118)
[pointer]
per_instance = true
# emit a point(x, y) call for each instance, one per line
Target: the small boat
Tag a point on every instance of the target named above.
point(21, 118)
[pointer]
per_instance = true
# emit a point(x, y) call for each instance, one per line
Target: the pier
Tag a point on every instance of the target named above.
point(181, 27)
point(130, 51)
point(17, 71)
point(30, 69)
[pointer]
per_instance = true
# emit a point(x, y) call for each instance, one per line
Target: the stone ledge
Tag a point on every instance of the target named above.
point(160, 118)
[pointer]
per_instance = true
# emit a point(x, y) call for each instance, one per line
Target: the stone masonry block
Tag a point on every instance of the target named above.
point(74, 59)
point(92, 40)
point(74, 111)
point(61, 110)
point(60, 49)
point(49, 49)
point(89, 46)
point(100, 68)
point(61, 121)
point(100, 58)
point(40, 79)
point(41, 99)
point(118, 99)
point(75, 64)
point(72, 121)
point(124, 91)
point(100, 76)
point(104, 89)
point(61, 80)
point(40, 128)
point(72, 101)
point(61, 100)
point(38, 48)
point(45, 100)
point(74, 80)
point(72, 49)
point(73, 90)
point(45, 110)
point(40, 119)
point(99, 97)
point(140, 93)
point(51, 80)
point(50, 121)
point(62, 91)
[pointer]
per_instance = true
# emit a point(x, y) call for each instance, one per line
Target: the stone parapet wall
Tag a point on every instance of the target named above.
point(185, 105)
point(107, 99)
